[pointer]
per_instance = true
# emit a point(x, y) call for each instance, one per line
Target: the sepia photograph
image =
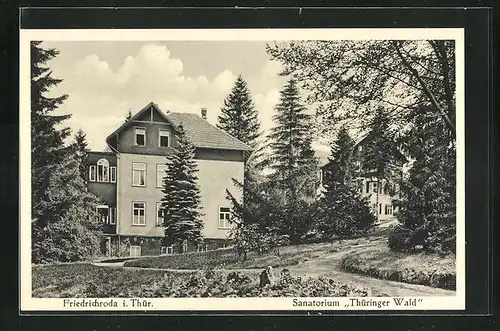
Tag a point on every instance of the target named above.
point(215, 170)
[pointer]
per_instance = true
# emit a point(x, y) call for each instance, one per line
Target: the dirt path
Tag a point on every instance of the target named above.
point(328, 266)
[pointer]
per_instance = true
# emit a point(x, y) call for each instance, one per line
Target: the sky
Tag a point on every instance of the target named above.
point(104, 80)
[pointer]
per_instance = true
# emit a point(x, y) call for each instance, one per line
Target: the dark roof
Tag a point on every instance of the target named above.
point(204, 135)
point(201, 133)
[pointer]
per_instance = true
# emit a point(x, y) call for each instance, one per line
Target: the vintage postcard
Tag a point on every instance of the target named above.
point(252, 169)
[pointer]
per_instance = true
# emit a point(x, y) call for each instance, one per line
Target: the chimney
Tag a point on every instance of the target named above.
point(204, 113)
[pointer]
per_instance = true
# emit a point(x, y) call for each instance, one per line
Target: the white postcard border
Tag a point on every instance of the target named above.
point(28, 303)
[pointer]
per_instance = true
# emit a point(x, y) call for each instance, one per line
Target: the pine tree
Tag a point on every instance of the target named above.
point(80, 147)
point(47, 141)
point(342, 210)
point(292, 160)
point(181, 200)
point(238, 116)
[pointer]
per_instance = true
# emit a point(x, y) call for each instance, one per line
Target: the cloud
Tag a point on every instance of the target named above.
point(102, 93)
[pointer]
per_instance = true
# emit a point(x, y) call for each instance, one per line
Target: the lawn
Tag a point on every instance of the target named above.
point(227, 259)
point(80, 280)
point(423, 269)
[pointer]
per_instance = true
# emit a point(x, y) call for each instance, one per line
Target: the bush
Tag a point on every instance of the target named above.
point(398, 239)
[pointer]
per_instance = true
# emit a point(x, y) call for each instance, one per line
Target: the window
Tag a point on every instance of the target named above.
point(224, 218)
point(92, 173)
point(374, 185)
point(112, 215)
point(103, 170)
point(159, 214)
point(167, 250)
point(202, 248)
point(160, 173)
point(367, 187)
point(138, 174)
point(184, 246)
point(103, 213)
point(360, 186)
point(380, 208)
point(140, 136)
point(164, 138)
point(112, 174)
point(138, 213)
point(135, 250)
point(388, 209)
point(360, 148)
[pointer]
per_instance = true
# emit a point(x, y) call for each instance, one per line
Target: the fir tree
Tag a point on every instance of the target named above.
point(342, 210)
point(238, 116)
point(181, 200)
point(292, 161)
point(80, 147)
point(47, 141)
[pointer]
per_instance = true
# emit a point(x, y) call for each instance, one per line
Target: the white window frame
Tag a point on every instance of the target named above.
point(112, 215)
point(159, 180)
point(112, 174)
point(158, 221)
point(102, 207)
point(374, 187)
point(360, 148)
point(135, 247)
point(139, 165)
point(184, 246)
point(226, 224)
point(104, 164)
point(167, 250)
point(138, 223)
point(163, 133)
point(136, 132)
point(92, 171)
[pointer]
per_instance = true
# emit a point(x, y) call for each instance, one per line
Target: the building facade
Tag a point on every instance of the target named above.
point(380, 193)
point(128, 180)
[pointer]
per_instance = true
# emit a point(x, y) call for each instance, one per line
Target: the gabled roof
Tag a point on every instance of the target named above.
point(204, 135)
point(201, 133)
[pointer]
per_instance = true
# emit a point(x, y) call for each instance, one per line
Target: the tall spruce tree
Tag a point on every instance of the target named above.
point(292, 160)
point(47, 141)
point(80, 146)
point(181, 200)
point(239, 117)
point(342, 210)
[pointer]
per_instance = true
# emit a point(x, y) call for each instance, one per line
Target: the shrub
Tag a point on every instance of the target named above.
point(398, 238)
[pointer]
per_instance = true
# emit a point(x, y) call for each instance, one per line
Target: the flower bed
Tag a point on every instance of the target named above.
point(85, 280)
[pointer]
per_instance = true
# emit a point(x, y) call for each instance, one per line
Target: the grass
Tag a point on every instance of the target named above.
point(81, 280)
point(424, 269)
point(227, 259)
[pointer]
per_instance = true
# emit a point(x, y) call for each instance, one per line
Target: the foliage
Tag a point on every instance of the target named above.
point(72, 233)
point(428, 198)
point(347, 78)
point(415, 82)
point(239, 117)
point(85, 280)
point(341, 210)
point(181, 199)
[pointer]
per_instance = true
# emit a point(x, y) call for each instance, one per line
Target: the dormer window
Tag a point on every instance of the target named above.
point(140, 136)
point(164, 138)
